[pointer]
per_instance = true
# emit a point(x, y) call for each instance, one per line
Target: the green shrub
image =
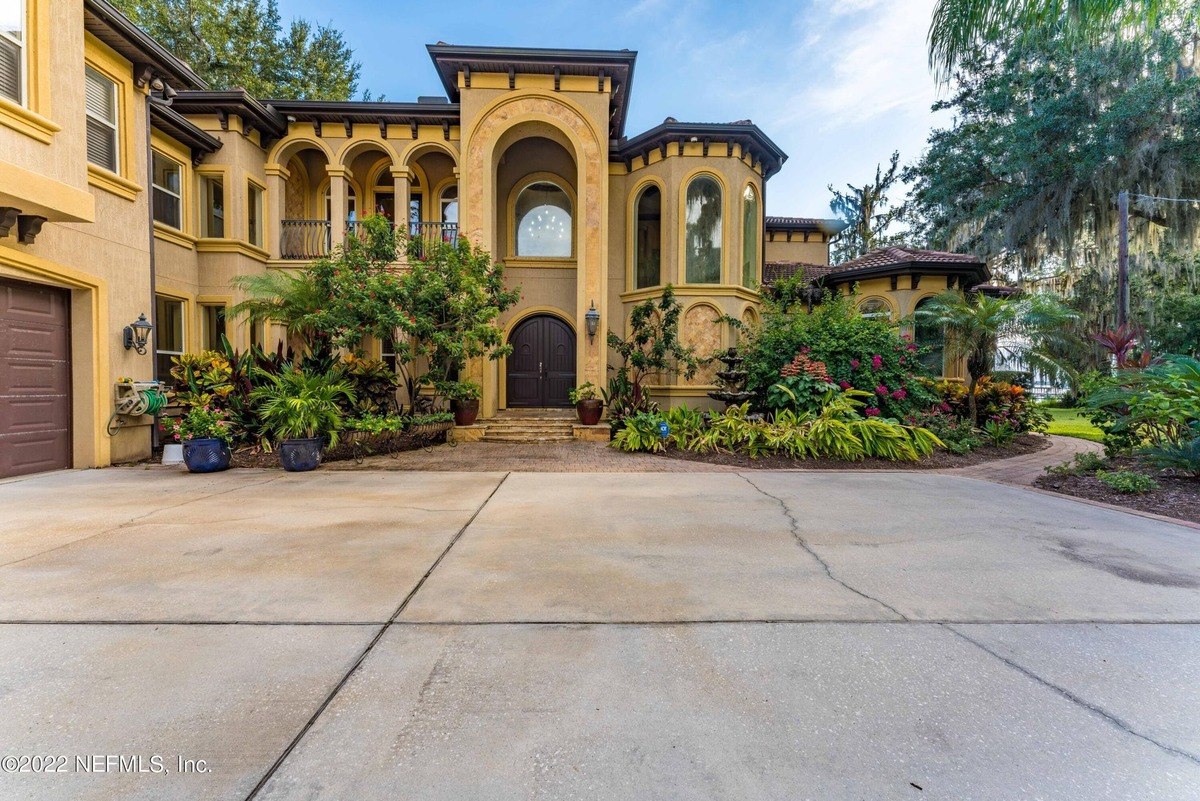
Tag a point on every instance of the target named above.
point(1158, 405)
point(374, 384)
point(1000, 433)
point(1126, 481)
point(640, 432)
point(1080, 464)
point(585, 391)
point(860, 353)
point(199, 422)
point(1183, 456)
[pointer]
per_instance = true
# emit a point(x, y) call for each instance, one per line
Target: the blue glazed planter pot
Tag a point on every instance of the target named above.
point(205, 455)
point(299, 455)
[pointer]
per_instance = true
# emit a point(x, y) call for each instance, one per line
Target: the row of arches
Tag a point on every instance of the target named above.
point(703, 232)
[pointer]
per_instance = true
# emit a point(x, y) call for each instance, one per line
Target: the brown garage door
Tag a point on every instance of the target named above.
point(35, 378)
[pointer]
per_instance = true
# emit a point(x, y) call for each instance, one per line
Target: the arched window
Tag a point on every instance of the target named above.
point(543, 222)
point(647, 246)
point(749, 236)
point(932, 336)
point(450, 205)
point(702, 245)
point(875, 309)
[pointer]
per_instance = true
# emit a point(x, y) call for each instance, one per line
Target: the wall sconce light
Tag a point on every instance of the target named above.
point(592, 321)
point(138, 334)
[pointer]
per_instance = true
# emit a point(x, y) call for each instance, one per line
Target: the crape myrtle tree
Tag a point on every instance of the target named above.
point(439, 313)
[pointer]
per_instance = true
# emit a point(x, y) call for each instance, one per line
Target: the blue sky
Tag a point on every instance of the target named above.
point(838, 84)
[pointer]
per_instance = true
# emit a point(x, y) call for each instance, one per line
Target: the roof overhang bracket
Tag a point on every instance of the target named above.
point(317, 127)
point(223, 118)
point(446, 130)
point(600, 76)
point(557, 79)
point(467, 75)
point(383, 129)
point(413, 126)
point(916, 280)
point(349, 128)
point(512, 78)
point(895, 282)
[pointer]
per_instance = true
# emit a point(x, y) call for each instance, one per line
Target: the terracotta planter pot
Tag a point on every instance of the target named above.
point(589, 411)
point(465, 412)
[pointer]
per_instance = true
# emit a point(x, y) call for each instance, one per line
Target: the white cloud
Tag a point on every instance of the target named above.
point(862, 60)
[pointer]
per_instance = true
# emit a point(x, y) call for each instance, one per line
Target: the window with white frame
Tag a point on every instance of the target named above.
point(168, 190)
point(100, 95)
point(12, 50)
point(168, 334)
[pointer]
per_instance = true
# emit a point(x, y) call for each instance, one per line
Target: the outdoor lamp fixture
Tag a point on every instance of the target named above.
point(592, 320)
point(137, 334)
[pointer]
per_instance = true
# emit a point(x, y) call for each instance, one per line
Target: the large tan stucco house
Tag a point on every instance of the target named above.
point(127, 187)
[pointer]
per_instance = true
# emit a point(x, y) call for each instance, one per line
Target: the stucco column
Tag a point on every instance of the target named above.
point(591, 272)
point(337, 205)
point(401, 182)
point(277, 178)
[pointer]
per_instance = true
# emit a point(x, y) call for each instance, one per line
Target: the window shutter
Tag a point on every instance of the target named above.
point(10, 69)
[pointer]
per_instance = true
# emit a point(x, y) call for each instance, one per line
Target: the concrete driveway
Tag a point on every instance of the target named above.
point(372, 635)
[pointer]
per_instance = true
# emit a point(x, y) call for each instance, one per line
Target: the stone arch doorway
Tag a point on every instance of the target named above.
point(541, 369)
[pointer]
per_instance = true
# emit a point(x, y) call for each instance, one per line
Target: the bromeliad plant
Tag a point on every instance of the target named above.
point(296, 405)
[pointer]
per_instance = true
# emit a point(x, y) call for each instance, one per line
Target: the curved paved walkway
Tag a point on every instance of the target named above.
point(593, 457)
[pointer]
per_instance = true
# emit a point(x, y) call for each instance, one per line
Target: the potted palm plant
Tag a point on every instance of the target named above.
point(464, 401)
point(301, 412)
point(204, 433)
point(588, 404)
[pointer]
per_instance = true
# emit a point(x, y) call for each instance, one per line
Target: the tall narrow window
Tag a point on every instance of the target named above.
point(168, 334)
point(749, 237)
point(932, 336)
point(254, 208)
point(702, 246)
point(12, 50)
point(543, 226)
point(167, 185)
point(100, 96)
point(648, 244)
point(213, 325)
point(212, 207)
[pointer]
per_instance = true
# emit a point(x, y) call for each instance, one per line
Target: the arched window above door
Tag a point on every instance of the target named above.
point(542, 222)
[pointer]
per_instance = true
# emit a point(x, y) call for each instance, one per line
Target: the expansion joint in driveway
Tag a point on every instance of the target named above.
point(371, 645)
point(799, 538)
point(1075, 699)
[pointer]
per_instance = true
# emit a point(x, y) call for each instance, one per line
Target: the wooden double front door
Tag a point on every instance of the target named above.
point(541, 368)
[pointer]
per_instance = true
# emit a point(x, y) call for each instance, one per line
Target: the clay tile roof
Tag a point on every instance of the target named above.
point(804, 224)
point(776, 270)
point(896, 256)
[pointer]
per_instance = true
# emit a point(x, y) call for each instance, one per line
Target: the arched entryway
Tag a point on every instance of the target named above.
point(541, 369)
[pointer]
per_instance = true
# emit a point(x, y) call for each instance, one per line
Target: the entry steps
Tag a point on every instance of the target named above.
point(530, 426)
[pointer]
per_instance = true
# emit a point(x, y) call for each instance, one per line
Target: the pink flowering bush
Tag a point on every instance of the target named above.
point(857, 353)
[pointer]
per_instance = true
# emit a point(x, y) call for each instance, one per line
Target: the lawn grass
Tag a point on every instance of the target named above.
point(1071, 423)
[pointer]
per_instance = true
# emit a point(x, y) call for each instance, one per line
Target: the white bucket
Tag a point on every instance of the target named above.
point(173, 453)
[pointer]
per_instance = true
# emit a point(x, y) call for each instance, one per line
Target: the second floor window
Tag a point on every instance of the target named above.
point(543, 222)
point(12, 50)
point(167, 184)
point(702, 245)
point(212, 209)
point(254, 207)
point(102, 141)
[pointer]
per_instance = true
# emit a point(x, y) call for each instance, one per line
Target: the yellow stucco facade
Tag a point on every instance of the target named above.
point(190, 188)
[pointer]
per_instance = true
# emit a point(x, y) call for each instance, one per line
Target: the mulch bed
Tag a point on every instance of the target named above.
point(1177, 496)
point(356, 448)
point(938, 460)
